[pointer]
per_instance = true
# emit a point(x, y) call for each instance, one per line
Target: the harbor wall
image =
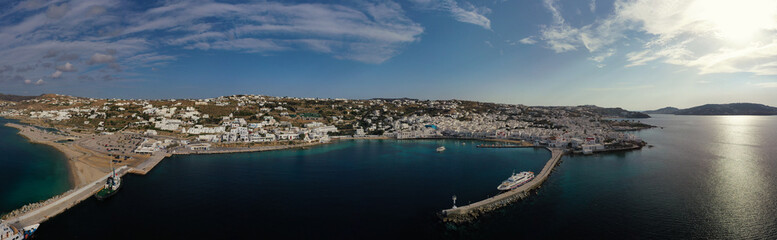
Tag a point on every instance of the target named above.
point(473, 211)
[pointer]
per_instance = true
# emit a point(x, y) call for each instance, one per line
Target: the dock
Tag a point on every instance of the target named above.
point(150, 163)
point(472, 211)
point(63, 203)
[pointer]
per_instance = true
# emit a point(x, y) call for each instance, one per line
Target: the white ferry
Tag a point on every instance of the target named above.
point(8, 232)
point(516, 180)
point(440, 149)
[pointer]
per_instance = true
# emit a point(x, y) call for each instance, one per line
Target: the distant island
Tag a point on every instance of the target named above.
point(666, 110)
point(720, 109)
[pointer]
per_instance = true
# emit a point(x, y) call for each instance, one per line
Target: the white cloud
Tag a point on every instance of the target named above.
point(592, 5)
point(39, 82)
point(528, 40)
point(467, 14)
point(101, 58)
point(559, 36)
point(602, 56)
point(66, 68)
point(710, 36)
point(56, 74)
point(27, 81)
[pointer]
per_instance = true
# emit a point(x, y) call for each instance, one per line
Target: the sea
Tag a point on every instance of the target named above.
point(28, 172)
point(708, 177)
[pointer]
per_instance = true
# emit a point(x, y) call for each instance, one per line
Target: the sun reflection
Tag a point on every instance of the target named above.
point(738, 184)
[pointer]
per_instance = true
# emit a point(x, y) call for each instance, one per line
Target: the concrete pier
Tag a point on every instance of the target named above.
point(65, 202)
point(472, 211)
point(150, 163)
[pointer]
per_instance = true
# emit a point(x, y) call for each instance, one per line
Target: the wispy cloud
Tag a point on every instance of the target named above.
point(528, 40)
point(468, 14)
point(602, 56)
point(619, 88)
point(592, 5)
point(87, 35)
point(766, 84)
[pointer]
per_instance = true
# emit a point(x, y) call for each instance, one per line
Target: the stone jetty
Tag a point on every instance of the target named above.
point(472, 211)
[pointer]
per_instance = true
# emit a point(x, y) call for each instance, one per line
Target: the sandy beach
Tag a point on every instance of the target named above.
point(80, 171)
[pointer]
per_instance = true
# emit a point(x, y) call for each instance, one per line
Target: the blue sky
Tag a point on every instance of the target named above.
point(637, 54)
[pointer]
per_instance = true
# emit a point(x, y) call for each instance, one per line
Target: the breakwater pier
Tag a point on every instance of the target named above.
point(472, 211)
point(59, 204)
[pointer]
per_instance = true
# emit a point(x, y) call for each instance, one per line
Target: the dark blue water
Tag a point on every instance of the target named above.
point(28, 172)
point(706, 177)
point(354, 189)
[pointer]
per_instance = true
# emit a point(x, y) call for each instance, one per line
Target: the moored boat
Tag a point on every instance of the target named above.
point(112, 185)
point(516, 180)
point(8, 232)
point(440, 149)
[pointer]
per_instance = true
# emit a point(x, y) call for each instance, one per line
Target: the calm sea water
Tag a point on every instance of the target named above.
point(705, 177)
point(28, 172)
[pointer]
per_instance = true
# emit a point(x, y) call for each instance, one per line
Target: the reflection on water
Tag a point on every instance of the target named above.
point(738, 185)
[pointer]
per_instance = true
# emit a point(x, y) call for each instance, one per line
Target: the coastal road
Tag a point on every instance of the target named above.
point(43, 213)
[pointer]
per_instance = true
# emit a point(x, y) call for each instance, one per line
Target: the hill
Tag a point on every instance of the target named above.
point(666, 110)
point(618, 112)
point(729, 109)
point(15, 98)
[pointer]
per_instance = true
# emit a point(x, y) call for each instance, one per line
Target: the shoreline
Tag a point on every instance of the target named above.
point(79, 173)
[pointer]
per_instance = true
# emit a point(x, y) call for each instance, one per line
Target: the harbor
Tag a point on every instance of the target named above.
point(471, 212)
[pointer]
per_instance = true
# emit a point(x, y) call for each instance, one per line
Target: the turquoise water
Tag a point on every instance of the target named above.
point(28, 172)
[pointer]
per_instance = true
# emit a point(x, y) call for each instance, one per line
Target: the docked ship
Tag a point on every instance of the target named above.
point(516, 180)
point(8, 232)
point(440, 149)
point(112, 185)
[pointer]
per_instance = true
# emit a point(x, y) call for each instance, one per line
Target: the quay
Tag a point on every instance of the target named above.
point(149, 164)
point(65, 202)
point(472, 211)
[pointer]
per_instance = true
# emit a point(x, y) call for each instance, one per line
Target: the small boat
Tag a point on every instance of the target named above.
point(440, 149)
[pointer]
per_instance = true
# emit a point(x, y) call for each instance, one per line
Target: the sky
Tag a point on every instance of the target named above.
point(636, 54)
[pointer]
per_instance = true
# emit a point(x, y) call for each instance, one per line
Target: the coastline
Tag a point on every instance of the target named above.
point(80, 173)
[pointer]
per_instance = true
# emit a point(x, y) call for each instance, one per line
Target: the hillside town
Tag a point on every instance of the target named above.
point(255, 120)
